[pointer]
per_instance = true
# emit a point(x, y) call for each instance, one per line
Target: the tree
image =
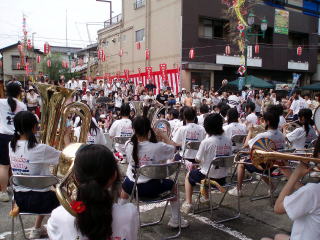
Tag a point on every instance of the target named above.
point(56, 69)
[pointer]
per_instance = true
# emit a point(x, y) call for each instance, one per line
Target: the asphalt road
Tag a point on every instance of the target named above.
point(257, 220)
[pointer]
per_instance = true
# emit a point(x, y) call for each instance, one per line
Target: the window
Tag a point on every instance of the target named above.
point(15, 60)
point(140, 35)
point(298, 39)
point(138, 4)
point(268, 36)
point(212, 28)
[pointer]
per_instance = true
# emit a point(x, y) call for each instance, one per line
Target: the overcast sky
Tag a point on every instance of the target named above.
point(48, 19)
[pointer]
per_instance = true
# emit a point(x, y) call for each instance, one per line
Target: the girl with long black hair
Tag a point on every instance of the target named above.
point(95, 134)
point(144, 149)
point(8, 108)
point(97, 174)
point(27, 157)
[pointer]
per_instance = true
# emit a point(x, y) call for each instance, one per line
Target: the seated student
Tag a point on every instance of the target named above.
point(191, 132)
point(173, 120)
point(251, 118)
point(204, 109)
point(144, 149)
point(122, 128)
point(302, 206)
point(271, 120)
point(97, 174)
point(95, 134)
point(298, 137)
point(27, 157)
point(217, 144)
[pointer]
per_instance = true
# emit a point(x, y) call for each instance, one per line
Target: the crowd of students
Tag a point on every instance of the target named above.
point(209, 117)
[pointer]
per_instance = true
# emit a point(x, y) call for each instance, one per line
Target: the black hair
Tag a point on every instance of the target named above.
point(125, 110)
point(251, 106)
point(142, 127)
point(213, 124)
point(13, 91)
point(94, 167)
point(272, 118)
point(232, 115)
point(204, 109)
point(189, 114)
point(276, 109)
point(181, 116)
point(174, 113)
point(24, 123)
point(224, 110)
point(93, 128)
point(306, 113)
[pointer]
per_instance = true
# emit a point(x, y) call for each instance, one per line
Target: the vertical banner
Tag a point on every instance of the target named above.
point(149, 72)
point(126, 74)
point(163, 71)
point(295, 79)
point(281, 21)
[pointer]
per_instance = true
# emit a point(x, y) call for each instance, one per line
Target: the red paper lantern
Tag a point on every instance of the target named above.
point(18, 65)
point(228, 50)
point(38, 59)
point(256, 49)
point(29, 45)
point(147, 54)
point(100, 54)
point(48, 63)
point(138, 45)
point(121, 52)
point(299, 51)
point(191, 53)
point(103, 58)
point(46, 48)
point(20, 47)
point(66, 64)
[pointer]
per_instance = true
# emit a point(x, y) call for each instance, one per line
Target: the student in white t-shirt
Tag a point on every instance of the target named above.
point(122, 128)
point(8, 108)
point(302, 136)
point(191, 132)
point(27, 157)
point(251, 118)
point(302, 206)
point(297, 104)
point(204, 109)
point(173, 120)
point(144, 149)
point(271, 120)
point(216, 145)
point(97, 175)
point(95, 134)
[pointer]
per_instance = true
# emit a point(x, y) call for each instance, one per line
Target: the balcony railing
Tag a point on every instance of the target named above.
point(112, 21)
point(138, 4)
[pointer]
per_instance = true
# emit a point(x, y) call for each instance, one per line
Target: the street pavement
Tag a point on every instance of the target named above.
point(256, 221)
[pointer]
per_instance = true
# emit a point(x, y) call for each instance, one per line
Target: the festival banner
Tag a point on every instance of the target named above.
point(163, 70)
point(281, 21)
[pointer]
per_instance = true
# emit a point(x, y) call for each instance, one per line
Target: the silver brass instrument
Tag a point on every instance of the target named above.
point(163, 126)
point(316, 118)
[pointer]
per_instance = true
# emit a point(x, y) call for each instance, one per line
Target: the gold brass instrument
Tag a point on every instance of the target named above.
point(291, 126)
point(137, 106)
point(258, 129)
point(264, 157)
point(54, 114)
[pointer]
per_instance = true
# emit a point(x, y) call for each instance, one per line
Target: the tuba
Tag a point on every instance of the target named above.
point(54, 114)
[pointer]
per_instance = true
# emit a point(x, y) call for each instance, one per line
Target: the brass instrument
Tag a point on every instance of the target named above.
point(291, 126)
point(137, 106)
point(258, 129)
point(264, 157)
point(316, 118)
point(162, 125)
point(54, 114)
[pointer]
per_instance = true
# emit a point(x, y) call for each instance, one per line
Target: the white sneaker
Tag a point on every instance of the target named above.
point(174, 223)
point(204, 200)
point(4, 197)
point(37, 233)
point(186, 207)
point(235, 192)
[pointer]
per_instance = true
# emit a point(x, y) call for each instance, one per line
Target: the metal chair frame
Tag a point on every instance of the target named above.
point(158, 171)
point(238, 139)
point(33, 183)
point(224, 161)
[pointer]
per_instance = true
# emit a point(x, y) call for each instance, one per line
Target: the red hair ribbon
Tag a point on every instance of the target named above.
point(78, 206)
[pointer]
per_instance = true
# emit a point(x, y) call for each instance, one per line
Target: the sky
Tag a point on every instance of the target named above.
point(47, 18)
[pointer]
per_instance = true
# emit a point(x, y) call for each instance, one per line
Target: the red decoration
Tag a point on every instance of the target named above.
point(126, 74)
point(73, 65)
point(241, 70)
point(80, 61)
point(299, 51)
point(147, 54)
point(38, 59)
point(103, 59)
point(29, 45)
point(46, 48)
point(18, 65)
point(228, 50)
point(121, 52)
point(20, 48)
point(191, 53)
point(66, 64)
point(256, 49)
point(240, 27)
point(78, 206)
point(149, 72)
point(49, 63)
point(163, 70)
point(100, 54)
point(138, 45)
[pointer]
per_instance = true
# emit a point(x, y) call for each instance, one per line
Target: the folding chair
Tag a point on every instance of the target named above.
point(237, 142)
point(35, 183)
point(190, 146)
point(227, 162)
point(121, 140)
point(158, 171)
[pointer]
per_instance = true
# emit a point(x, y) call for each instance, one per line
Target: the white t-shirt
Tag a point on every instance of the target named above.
point(211, 148)
point(34, 161)
point(275, 135)
point(303, 208)
point(233, 129)
point(121, 128)
point(32, 100)
point(297, 105)
point(189, 133)
point(174, 124)
point(233, 101)
point(298, 137)
point(118, 101)
point(93, 137)
point(201, 120)
point(125, 224)
point(148, 153)
point(252, 118)
point(73, 85)
point(6, 115)
point(282, 121)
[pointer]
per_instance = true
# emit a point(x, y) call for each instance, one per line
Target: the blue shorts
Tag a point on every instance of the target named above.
point(150, 189)
point(252, 169)
point(195, 176)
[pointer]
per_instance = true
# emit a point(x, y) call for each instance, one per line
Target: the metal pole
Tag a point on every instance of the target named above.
point(245, 55)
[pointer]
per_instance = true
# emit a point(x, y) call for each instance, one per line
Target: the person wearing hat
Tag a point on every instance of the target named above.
point(88, 98)
point(140, 88)
point(32, 99)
